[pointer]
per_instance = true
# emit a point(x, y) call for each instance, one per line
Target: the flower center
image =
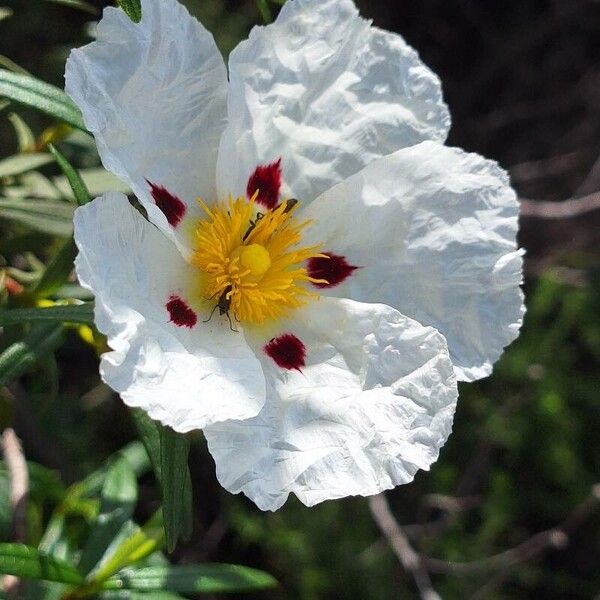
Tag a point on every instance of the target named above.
point(252, 262)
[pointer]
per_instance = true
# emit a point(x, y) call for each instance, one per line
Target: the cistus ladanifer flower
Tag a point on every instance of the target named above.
point(317, 269)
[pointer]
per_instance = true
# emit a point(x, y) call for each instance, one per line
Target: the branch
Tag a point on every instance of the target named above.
point(567, 209)
point(19, 490)
point(401, 546)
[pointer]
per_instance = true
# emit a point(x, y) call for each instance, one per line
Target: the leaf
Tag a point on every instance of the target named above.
point(5, 12)
point(25, 561)
point(25, 137)
point(78, 187)
point(132, 8)
point(168, 452)
point(264, 10)
point(40, 95)
point(176, 486)
point(21, 163)
point(137, 545)
point(20, 356)
point(57, 270)
point(118, 499)
point(207, 578)
point(48, 216)
point(72, 313)
point(97, 180)
point(80, 4)
point(133, 595)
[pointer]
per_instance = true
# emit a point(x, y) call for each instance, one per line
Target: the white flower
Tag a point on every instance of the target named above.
point(317, 342)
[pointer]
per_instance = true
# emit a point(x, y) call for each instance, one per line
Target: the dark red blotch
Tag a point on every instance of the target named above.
point(172, 207)
point(287, 351)
point(334, 269)
point(266, 179)
point(180, 313)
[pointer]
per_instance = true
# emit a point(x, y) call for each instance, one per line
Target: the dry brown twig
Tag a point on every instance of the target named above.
point(19, 490)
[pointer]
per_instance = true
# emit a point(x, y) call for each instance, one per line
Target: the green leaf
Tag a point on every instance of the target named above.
point(72, 313)
point(40, 95)
point(21, 163)
point(80, 4)
point(118, 499)
point(137, 545)
point(96, 179)
point(168, 452)
point(57, 270)
point(25, 137)
point(176, 486)
point(19, 357)
point(80, 191)
point(264, 10)
point(207, 578)
point(25, 561)
point(48, 216)
point(132, 8)
point(133, 595)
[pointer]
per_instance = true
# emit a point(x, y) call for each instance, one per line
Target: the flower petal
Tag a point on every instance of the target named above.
point(372, 404)
point(326, 92)
point(181, 371)
point(433, 231)
point(153, 94)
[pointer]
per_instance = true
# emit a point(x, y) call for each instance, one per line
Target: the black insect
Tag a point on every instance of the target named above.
point(289, 204)
point(253, 224)
point(223, 304)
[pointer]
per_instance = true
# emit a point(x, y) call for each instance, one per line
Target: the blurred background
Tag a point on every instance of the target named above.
point(509, 511)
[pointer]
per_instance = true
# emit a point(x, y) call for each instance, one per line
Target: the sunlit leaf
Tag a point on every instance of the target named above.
point(132, 8)
point(78, 187)
point(25, 137)
point(20, 356)
point(76, 313)
point(21, 163)
point(118, 499)
point(40, 95)
point(80, 4)
point(207, 578)
point(48, 216)
point(25, 561)
point(97, 181)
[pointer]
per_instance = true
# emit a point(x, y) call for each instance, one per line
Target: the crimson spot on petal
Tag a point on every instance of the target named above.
point(172, 207)
point(266, 179)
point(287, 351)
point(334, 269)
point(180, 313)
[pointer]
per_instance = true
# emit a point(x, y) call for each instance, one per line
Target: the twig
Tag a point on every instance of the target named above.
point(19, 491)
point(401, 546)
point(567, 209)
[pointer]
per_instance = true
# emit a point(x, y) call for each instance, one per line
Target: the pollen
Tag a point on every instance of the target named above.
point(256, 256)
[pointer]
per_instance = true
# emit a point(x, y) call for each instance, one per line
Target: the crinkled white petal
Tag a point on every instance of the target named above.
point(434, 232)
point(154, 96)
point(328, 93)
point(372, 406)
point(184, 378)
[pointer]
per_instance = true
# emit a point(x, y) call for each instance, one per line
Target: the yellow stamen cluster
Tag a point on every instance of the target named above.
point(255, 260)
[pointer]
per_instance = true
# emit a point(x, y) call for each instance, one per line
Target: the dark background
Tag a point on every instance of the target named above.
point(522, 79)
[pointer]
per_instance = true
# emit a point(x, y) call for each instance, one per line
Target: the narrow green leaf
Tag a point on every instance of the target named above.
point(25, 561)
point(57, 270)
point(190, 579)
point(264, 10)
point(149, 434)
point(40, 95)
point(21, 163)
point(132, 8)
point(19, 357)
point(97, 181)
point(140, 543)
point(133, 595)
point(72, 313)
point(176, 486)
point(118, 499)
point(80, 4)
point(48, 216)
point(80, 191)
point(25, 137)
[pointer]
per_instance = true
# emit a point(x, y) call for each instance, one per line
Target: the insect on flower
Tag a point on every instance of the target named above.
point(309, 191)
